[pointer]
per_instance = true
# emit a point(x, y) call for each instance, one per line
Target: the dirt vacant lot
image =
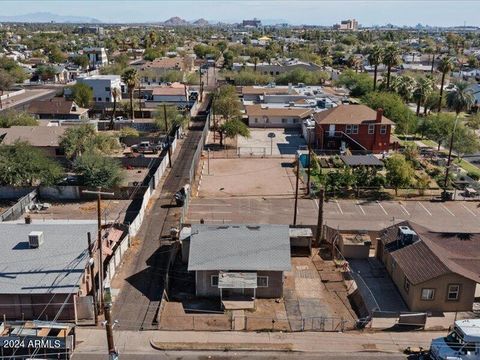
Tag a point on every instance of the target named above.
point(247, 177)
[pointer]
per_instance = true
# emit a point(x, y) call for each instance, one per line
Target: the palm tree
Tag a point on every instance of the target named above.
point(391, 58)
point(404, 86)
point(354, 62)
point(458, 100)
point(130, 78)
point(115, 94)
point(445, 66)
point(423, 87)
point(375, 58)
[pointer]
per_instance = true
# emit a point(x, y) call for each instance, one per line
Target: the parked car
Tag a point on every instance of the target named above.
point(146, 147)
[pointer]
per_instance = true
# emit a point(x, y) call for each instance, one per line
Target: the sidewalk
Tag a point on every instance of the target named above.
point(93, 341)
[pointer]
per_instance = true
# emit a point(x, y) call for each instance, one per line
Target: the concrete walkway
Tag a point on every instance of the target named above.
point(93, 341)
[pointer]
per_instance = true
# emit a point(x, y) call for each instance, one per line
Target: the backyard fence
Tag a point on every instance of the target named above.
point(17, 210)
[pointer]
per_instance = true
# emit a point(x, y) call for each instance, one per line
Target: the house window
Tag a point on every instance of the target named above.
point(107, 99)
point(406, 285)
point(99, 99)
point(348, 129)
point(383, 129)
point(453, 292)
point(256, 120)
point(107, 89)
point(354, 129)
point(428, 294)
point(284, 121)
point(295, 121)
point(267, 121)
point(214, 281)
point(371, 129)
point(262, 281)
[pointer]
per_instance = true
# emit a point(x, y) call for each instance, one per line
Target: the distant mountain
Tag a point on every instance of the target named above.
point(201, 22)
point(176, 21)
point(46, 17)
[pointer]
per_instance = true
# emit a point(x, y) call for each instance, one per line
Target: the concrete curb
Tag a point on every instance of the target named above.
point(213, 346)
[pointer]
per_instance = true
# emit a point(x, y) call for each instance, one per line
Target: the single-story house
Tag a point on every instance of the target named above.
point(356, 127)
point(175, 93)
point(43, 266)
point(433, 271)
point(58, 109)
point(232, 261)
point(46, 138)
point(265, 116)
point(256, 93)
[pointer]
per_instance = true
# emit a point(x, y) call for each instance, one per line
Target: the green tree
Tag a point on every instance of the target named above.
point(403, 85)
point(423, 87)
point(445, 67)
point(375, 57)
point(394, 108)
point(391, 58)
point(23, 165)
point(233, 128)
point(56, 55)
point(174, 117)
point(98, 170)
point(400, 172)
point(16, 118)
point(358, 84)
point(82, 61)
point(128, 131)
point(6, 82)
point(82, 94)
point(78, 139)
point(130, 78)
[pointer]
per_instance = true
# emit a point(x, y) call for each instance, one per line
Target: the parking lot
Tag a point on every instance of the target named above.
point(259, 143)
point(346, 214)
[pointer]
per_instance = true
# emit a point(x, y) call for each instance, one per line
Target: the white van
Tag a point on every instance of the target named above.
point(463, 343)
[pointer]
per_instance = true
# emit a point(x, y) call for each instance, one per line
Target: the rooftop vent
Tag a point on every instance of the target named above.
point(35, 239)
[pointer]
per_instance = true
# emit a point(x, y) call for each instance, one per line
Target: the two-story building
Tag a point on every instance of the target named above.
point(97, 56)
point(102, 86)
point(356, 127)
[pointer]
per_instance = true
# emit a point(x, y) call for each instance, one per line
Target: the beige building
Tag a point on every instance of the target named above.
point(263, 116)
point(433, 271)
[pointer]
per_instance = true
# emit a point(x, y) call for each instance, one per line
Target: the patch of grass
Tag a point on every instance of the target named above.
point(469, 168)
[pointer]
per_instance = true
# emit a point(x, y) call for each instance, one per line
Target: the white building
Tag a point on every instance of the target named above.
point(102, 86)
point(96, 56)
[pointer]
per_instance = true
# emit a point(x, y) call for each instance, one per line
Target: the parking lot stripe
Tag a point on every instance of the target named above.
point(405, 210)
point(470, 211)
point(339, 208)
point(424, 208)
point(451, 213)
point(361, 208)
point(385, 211)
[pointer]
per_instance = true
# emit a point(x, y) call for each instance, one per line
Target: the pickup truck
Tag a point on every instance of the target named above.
point(146, 147)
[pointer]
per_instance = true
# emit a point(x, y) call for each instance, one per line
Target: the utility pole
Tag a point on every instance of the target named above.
point(449, 159)
point(99, 194)
point(213, 117)
point(112, 352)
point(321, 199)
point(296, 194)
point(168, 136)
point(201, 84)
point(92, 277)
point(140, 98)
point(309, 161)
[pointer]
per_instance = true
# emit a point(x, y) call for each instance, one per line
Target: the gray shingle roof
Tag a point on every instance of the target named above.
point(55, 267)
point(239, 247)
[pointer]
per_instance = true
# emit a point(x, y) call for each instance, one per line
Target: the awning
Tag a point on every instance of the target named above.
point(236, 280)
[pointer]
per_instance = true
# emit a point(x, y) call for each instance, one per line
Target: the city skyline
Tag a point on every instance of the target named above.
point(368, 13)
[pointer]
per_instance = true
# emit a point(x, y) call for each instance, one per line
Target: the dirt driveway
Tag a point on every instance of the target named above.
point(247, 177)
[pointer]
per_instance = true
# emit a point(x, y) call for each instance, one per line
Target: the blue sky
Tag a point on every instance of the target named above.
point(318, 12)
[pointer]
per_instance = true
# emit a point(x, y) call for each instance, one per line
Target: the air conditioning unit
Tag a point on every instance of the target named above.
point(35, 239)
point(406, 235)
